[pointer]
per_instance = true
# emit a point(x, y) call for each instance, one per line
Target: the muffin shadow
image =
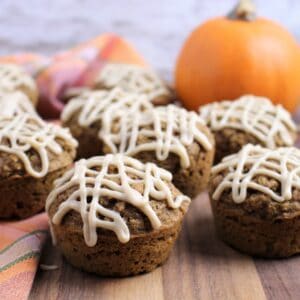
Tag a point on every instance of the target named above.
point(199, 234)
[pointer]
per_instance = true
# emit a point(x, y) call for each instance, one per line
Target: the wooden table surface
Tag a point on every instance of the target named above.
point(200, 267)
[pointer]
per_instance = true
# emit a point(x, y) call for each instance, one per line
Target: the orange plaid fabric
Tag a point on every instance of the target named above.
point(72, 68)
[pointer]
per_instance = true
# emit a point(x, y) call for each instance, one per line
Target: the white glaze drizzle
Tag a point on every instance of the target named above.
point(92, 105)
point(13, 77)
point(132, 78)
point(15, 103)
point(170, 129)
point(24, 132)
point(255, 115)
point(113, 177)
point(281, 164)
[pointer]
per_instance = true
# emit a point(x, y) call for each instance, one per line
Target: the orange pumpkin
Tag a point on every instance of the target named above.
point(227, 57)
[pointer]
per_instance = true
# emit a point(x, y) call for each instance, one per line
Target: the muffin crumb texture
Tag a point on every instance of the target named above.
point(255, 197)
point(32, 141)
point(33, 154)
point(249, 119)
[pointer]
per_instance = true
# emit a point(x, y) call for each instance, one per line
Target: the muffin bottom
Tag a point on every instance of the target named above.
point(254, 236)
point(143, 253)
point(22, 197)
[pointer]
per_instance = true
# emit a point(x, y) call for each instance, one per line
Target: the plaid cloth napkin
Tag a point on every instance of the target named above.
point(20, 247)
point(21, 241)
point(76, 67)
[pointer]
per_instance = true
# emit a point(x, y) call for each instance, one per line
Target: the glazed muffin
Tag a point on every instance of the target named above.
point(13, 78)
point(115, 216)
point(248, 120)
point(121, 122)
point(84, 114)
point(255, 198)
point(169, 136)
point(134, 79)
point(32, 155)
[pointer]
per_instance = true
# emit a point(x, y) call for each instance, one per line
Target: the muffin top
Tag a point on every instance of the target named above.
point(14, 78)
point(270, 124)
point(116, 193)
point(15, 103)
point(87, 109)
point(132, 78)
point(30, 146)
point(128, 123)
point(259, 178)
point(162, 130)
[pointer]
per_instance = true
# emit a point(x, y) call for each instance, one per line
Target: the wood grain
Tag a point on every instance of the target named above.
point(280, 278)
point(207, 268)
point(200, 267)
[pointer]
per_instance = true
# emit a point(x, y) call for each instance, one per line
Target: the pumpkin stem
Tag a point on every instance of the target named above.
point(245, 10)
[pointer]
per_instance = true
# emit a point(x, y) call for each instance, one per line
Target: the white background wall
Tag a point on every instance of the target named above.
point(156, 27)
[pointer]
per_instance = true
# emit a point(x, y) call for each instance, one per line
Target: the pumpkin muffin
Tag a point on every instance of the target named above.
point(84, 114)
point(130, 78)
point(14, 78)
point(169, 136)
point(120, 122)
point(134, 79)
point(248, 120)
point(32, 155)
point(115, 216)
point(255, 198)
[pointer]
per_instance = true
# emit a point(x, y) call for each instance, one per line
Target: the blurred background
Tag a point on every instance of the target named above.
point(157, 28)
